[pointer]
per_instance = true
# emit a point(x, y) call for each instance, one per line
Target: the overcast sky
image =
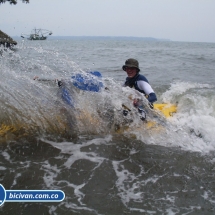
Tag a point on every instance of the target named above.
point(177, 20)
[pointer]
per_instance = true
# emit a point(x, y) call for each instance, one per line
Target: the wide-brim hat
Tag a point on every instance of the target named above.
point(131, 63)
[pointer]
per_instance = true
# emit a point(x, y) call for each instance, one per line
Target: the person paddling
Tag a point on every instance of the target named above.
point(139, 82)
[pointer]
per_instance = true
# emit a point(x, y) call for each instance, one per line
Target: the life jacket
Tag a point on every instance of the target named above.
point(132, 82)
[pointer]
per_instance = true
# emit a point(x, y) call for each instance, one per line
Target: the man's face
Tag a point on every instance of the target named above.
point(131, 71)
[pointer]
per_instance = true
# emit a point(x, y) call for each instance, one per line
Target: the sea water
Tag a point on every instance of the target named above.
point(107, 163)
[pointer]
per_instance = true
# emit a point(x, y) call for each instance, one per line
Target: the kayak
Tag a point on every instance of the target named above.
point(166, 109)
point(91, 81)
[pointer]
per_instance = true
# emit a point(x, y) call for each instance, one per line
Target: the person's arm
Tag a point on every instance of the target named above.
point(150, 94)
point(146, 87)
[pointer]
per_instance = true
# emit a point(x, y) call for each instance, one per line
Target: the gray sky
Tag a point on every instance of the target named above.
point(177, 20)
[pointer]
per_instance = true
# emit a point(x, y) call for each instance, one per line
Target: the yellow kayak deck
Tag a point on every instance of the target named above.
point(166, 109)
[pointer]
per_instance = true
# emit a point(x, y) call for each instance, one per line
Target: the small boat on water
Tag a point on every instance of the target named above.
point(37, 34)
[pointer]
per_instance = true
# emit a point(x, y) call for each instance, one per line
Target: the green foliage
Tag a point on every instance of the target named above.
point(13, 1)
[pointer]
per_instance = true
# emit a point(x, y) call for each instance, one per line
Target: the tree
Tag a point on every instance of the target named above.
point(13, 1)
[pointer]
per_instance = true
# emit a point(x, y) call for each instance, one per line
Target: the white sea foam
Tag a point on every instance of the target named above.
point(6, 156)
point(2, 168)
point(15, 179)
point(195, 113)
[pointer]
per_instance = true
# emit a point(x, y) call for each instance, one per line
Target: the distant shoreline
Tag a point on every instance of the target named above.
point(104, 37)
point(147, 39)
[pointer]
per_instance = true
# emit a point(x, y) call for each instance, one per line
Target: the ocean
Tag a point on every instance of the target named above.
point(107, 163)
